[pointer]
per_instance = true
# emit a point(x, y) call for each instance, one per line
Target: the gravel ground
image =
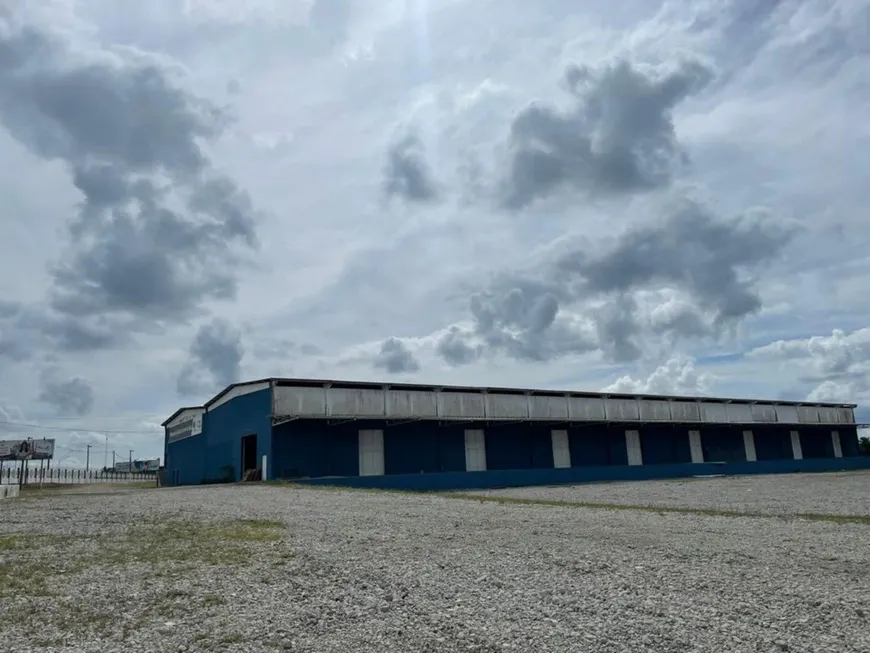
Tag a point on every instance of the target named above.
point(269, 568)
point(846, 493)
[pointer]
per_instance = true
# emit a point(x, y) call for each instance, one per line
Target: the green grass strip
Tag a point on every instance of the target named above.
point(706, 512)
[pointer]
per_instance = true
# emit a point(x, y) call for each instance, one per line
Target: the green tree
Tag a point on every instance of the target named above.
point(864, 446)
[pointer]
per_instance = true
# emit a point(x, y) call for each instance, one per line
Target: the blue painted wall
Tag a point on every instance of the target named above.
point(226, 425)
point(772, 442)
point(816, 442)
point(186, 459)
point(724, 444)
point(423, 447)
point(518, 446)
point(574, 475)
point(665, 444)
point(849, 440)
point(597, 445)
point(313, 448)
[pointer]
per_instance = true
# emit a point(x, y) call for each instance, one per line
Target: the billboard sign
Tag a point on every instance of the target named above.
point(146, 465)
point(187, 426)
point(139, 466)
point(26, 449)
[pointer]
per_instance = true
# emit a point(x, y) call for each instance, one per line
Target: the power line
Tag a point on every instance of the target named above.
point(68, 429)
point(107, 417)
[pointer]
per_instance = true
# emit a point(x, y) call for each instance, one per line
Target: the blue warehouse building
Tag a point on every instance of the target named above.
point(418, 437)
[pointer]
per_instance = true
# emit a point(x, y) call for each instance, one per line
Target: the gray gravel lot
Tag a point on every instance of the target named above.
point(845, 493)
point(267, 568)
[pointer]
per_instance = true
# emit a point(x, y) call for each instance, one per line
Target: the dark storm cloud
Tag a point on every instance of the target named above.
point(396, 358)
point(27, 331)
point(618, 138)
point(158, 232)
point(215, 359)
point(454, 348)
point(407, 174)
point(519, 317)
point(712, 261)
point(521, 321)
point(83, 335)
point(692, 250)
point(74, 396)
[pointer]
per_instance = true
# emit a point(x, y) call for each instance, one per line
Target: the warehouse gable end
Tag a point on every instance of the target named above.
point(236, 390)
point(185, 424)
point(238, 427)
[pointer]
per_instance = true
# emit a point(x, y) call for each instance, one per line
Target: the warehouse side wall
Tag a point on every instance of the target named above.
point(849, 440)
point(226, 425)
point(772, 442)
point(597, 445)
point(305, 448)
point(423, 448)
point(518, 446)
point(665, 444)
point(185, 461)
point(316, 448)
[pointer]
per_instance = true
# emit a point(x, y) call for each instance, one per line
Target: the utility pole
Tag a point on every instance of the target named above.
point(106, 453)
point(130, 468)
point(88, 458)
point(113, 459)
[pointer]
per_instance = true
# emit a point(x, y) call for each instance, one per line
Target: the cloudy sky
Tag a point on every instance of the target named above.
point(640, 197)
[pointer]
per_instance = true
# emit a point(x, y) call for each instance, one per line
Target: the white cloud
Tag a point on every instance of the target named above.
point(590, 193)
point(678, 376)
point(836, 366)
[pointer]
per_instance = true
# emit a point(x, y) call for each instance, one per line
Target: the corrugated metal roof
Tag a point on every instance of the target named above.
point(374, 385)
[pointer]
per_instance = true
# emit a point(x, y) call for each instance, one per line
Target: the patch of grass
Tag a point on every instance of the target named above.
point(31, 568)
point(836, 519)
point(27, 579)
point(262, 523)
point(78, 619)
point(85, 487)
point(28, 575)
point(23, 541)
point(171, 548)
point(46, 487)
point(11, 542)
point(186, 541)
point(294, 485)
point(213, 600)
point(232, 638)
point(171, 602)
point(707, 512)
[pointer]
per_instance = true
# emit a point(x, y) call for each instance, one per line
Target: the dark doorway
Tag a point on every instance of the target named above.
point(249, 454)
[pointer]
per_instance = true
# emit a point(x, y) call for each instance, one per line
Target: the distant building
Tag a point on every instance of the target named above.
point(138, 466)
point(428, 437)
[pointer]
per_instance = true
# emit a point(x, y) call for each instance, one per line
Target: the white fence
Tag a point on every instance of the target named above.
point(11, 475)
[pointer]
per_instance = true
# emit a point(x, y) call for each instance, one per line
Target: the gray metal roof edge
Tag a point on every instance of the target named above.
point(374, 385)
point(238, 384)
point(178, 412)
point(577, 393)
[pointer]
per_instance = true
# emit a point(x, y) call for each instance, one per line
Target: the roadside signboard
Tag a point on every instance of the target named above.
point(26, 449)
point(139, 466)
